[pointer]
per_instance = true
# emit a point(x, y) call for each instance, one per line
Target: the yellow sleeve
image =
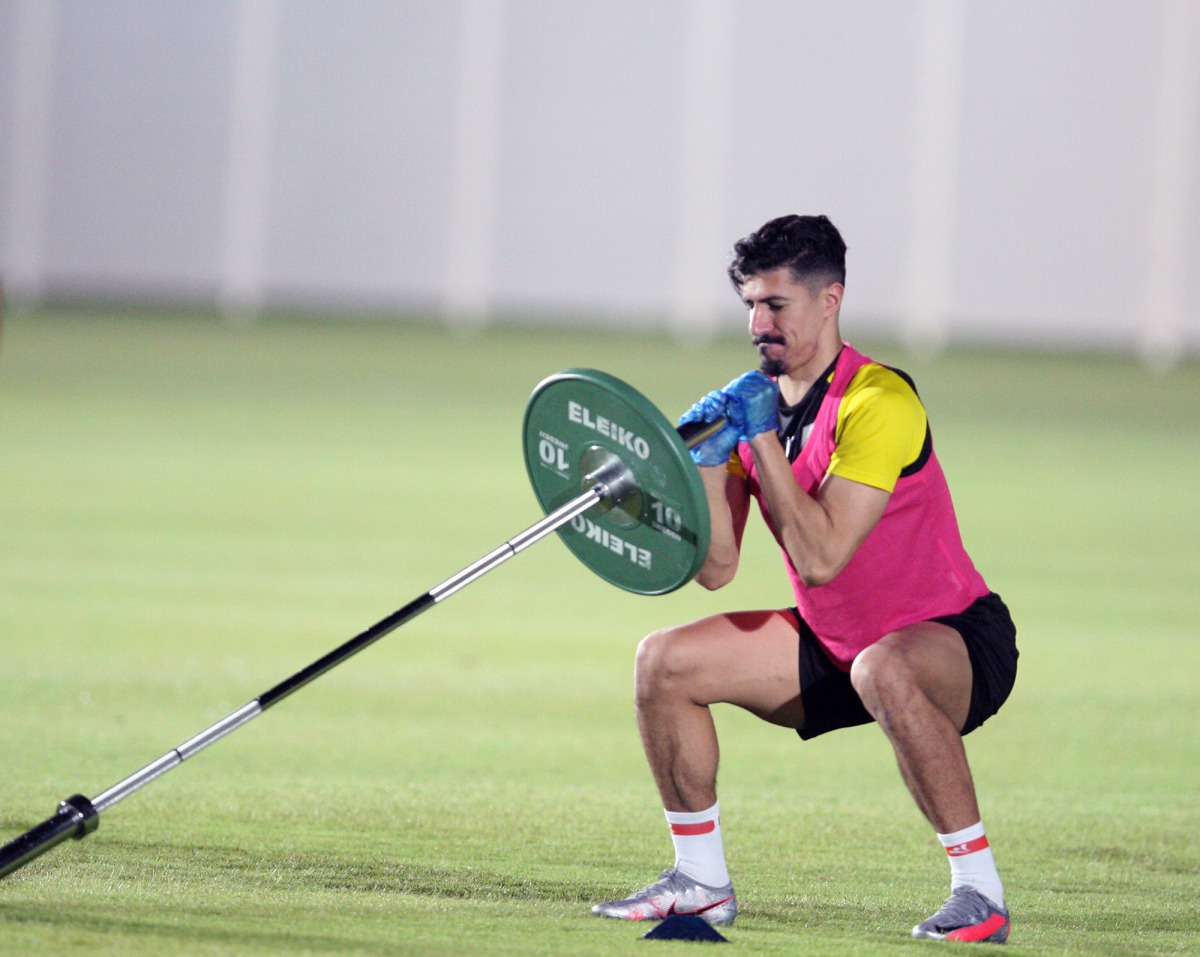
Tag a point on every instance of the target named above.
point(880, 429)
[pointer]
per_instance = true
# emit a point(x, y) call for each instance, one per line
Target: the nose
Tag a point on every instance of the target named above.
point(760, 320)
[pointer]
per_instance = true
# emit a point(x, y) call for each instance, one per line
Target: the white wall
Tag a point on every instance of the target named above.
point(1003, 170)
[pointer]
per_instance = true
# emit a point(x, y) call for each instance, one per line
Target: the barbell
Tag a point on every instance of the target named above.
point(615, 480)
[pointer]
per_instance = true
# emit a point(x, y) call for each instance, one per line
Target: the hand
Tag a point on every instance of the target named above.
point(752, 404)
point(716, 449)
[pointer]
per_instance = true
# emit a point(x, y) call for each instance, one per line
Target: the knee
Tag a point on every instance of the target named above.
point(663, 663)
point(883, 682)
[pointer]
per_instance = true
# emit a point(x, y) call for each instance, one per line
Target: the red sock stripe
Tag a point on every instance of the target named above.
point(691, 830)
point(967, 847)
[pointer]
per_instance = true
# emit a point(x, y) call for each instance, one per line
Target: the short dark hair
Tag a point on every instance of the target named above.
point(810, 246)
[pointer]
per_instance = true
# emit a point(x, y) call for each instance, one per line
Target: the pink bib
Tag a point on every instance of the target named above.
point(911, 567)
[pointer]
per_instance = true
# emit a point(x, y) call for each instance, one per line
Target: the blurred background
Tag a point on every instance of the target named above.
point(1023, 172)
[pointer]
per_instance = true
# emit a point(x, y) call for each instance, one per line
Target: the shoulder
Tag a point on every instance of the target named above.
point(883, 391)
point(881, 432)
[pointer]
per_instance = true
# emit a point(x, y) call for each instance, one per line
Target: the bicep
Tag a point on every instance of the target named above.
point(852, 509)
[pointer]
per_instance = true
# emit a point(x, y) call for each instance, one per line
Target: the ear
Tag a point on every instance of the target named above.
point(832, 298)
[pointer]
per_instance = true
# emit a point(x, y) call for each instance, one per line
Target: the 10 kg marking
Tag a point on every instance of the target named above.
point(553, 452)
point(666, 516)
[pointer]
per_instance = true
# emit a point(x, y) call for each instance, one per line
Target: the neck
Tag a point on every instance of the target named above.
point(794, 385)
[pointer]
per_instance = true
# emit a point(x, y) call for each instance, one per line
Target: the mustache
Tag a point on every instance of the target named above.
point(768, 341)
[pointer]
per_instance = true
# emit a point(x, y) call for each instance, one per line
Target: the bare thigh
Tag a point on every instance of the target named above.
point(748, 658)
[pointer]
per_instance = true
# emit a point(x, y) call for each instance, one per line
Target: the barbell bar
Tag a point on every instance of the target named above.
point(615, 480)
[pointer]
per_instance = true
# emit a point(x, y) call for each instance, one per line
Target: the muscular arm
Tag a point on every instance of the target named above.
point(820, 534)
point(728, 506)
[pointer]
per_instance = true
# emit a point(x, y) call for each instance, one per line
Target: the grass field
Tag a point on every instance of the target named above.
point(190, 511)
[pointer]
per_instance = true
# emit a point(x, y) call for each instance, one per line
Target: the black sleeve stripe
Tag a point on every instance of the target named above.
point(927, 446)
point(906, 377)
point(926, 451)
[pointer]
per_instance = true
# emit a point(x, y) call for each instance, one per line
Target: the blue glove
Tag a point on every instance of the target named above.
point(752, 404)
point(716, 449)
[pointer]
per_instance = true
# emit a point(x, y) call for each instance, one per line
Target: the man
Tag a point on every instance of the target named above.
point(893, 623)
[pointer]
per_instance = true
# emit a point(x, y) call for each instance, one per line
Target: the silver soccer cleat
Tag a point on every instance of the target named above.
point(674, 893)
point(966, 915)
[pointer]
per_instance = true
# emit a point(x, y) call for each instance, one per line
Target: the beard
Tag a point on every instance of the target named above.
point(772, 367)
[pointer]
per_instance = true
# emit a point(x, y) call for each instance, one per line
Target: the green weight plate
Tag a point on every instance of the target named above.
point(656, 539)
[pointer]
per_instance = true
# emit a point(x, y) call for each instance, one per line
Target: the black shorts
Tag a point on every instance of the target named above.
point(830, 701)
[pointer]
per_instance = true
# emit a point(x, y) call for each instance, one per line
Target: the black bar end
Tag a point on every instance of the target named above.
point(76, 817)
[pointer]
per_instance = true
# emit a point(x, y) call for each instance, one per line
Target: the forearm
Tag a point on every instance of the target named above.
point(805, 528)
point(721, 563)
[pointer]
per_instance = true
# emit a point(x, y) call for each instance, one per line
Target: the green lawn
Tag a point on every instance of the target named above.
point(189, 512)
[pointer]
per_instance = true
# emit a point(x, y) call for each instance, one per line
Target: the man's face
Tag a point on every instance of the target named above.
point(788, 322)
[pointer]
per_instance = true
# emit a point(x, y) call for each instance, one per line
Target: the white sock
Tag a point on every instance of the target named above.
point(699, 850)
point(972, 863)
